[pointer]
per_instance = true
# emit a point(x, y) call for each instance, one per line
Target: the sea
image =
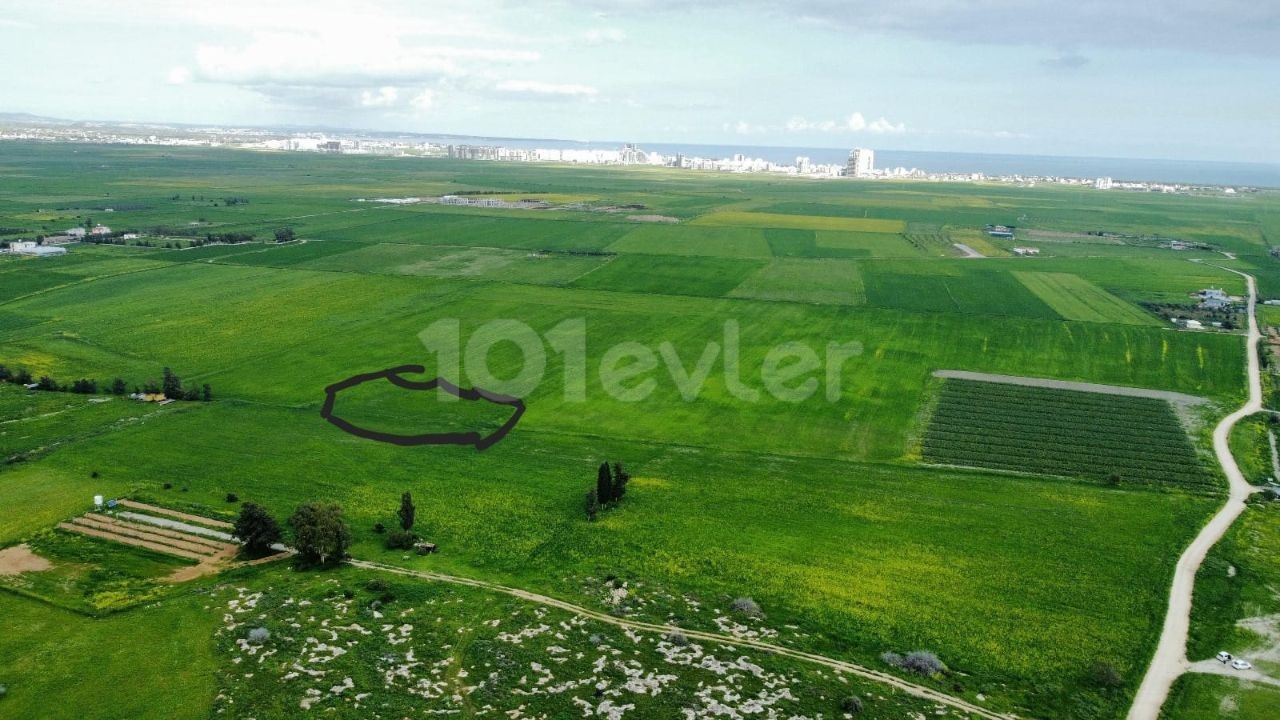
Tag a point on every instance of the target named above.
point(1190, 172)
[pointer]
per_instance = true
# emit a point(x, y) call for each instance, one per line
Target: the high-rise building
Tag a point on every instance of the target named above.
point(861, 162)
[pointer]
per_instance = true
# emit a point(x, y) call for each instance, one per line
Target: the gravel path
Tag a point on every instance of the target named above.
point(910, 688)
point(1170, 660)
point(1176, 398)
point(968, 251)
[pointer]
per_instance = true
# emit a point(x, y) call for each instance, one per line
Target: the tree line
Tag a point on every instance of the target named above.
point(170, 385)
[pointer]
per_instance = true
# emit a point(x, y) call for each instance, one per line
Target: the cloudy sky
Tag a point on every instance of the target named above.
point(1127, 78)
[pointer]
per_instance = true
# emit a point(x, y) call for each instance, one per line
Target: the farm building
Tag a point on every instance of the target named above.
point(1000, 231)
point(27, 247)
point(1025, 251)
point(1214, 298)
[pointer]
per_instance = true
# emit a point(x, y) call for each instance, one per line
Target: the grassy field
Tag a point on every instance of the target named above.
point(818, 509)
point(1062, 432)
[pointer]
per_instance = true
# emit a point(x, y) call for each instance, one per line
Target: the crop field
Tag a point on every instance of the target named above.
point(1062, 432)
point(820, 509)
point(1075, 298)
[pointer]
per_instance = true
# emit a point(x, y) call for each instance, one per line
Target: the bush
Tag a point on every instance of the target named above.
point(748, 607)
point(232, 497)
point(377, 586)
point(919, 662)
point(168, 486)
point(891, 658)
point(677, 638)
point(401, 540)
point(259, 635)
point(851, 705)
point(379, 528)
point(3, 691)
point(1105, 675)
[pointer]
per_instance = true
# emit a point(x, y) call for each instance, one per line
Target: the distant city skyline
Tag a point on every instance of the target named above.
point(1174, 80)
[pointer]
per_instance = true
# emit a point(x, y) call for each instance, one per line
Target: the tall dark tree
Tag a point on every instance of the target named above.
point(119, 387)
point(407, 512)
point(604, 484)
point(320, 533)
point(620, 478)
point(592, 505)
point(206, 392)
point(172, 385)
point(256, 529)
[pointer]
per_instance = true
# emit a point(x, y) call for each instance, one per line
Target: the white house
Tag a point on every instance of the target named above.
point(100, 230)
point(75, 232)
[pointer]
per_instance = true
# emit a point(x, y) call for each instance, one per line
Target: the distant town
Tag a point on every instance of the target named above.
point(861, 163)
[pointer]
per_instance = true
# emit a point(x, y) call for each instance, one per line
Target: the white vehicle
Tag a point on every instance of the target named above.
point(1241, 665)
point(1224, 657)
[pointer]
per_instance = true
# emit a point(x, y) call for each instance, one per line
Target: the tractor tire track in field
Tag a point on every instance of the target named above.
point(1170, 659)
point(920, 691)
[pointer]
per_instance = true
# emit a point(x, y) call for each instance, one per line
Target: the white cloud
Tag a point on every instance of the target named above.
point(599, 36)
point(423, 100)
point(341, 60)
point(855, 123)
point(383, 97)
point(538, 87)
point(178, 75)
point(742, 127)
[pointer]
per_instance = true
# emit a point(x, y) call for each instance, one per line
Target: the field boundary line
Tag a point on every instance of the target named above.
point(1097, 388)
point(920, 691)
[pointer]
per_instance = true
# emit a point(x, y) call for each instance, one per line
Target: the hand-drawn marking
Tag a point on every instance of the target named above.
point(481, 442)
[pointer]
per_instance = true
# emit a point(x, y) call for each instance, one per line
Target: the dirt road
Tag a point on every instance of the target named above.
point(1170, 660)
point(910, 688)
point(1176, 398)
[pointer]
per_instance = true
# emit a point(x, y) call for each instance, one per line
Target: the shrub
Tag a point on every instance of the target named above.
point(891, 658)
point(401, 540)
point(379, 528)
point(232, 497)
point(95, 475)
point(851, 705)
point(377, 586)
point(3, 691)
point(259, 635)
point(748, 607)
point(923, 663)
point(168, 486)
point(677, 638)
point(1105, 675)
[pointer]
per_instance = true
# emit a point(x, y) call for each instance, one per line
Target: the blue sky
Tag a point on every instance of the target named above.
point(1170, 79)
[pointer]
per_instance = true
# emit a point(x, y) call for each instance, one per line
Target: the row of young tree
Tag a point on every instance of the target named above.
point(170, 385)
point(611, 486)
point(320, 534)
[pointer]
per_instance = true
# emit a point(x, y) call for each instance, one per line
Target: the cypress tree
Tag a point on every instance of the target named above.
point(620, 478)
point(604, 485)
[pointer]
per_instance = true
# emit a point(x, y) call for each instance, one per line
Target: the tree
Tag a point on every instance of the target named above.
point(604, 484)
point(319, 533)
point(172, 385)
point(47, 383)
point(22, 377)
point(284, 235)
point(620, 478)
point(119, 387)
point(5, 373)
point(592, 505)
point(206, 392)
point(256, 529)
point(406, 512)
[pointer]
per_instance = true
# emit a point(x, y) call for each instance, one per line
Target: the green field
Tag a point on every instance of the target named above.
point(1062, 432)
point(820, 509)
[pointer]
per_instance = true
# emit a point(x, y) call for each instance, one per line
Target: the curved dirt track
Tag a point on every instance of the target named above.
point(1170, 659)
point(910, 688)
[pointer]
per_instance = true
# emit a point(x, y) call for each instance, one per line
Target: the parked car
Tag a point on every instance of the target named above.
point(1224, 657)
point(1241, 664)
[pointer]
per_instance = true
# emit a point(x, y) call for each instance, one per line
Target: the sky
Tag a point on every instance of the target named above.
point(1117, 78)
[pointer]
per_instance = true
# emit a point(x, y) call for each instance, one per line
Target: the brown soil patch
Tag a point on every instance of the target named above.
point(653, 218)
point(19, 559)
point(136, 542)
